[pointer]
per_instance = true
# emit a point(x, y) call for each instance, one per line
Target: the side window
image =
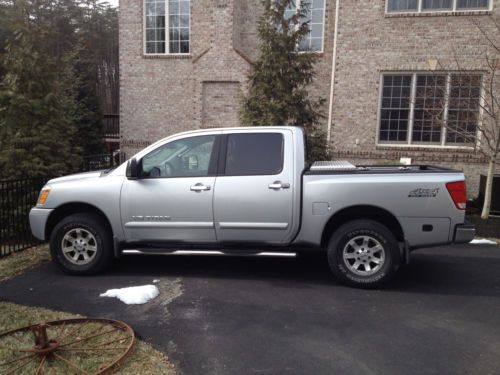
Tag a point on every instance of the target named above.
point(254, 154)
point(188, 157)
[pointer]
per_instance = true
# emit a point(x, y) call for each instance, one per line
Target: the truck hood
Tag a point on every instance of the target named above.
point(74, 177)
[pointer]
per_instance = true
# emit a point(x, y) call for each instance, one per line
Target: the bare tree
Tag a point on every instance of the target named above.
point(489, 124)
point(472, 101)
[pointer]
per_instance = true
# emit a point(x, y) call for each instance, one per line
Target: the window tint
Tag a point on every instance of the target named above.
point(254, 154)
point(188, 157)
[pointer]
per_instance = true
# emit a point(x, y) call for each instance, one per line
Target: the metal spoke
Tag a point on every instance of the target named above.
point(74, 332)
point(354, 245)
point(350, 256)
point(71, 364)
point(365, 241)
point(90, 337)
point(20, 366)
point(368, 268)
point(12, 350)
point(16, 360)
point(91, 349)
point(42, 363)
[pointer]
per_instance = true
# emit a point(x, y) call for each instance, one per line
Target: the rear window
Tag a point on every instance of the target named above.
point(254, 154)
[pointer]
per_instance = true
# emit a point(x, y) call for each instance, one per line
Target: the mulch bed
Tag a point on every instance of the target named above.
point(485, 228)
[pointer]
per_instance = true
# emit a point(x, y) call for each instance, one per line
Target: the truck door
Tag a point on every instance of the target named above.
point(253, 199)
point(172, 199)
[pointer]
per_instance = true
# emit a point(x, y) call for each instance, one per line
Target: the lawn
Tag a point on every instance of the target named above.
point(144, 360)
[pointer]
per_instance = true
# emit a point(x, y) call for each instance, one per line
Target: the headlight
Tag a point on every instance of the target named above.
point(44, 194)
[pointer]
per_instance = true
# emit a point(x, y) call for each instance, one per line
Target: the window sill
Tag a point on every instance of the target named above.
point(432, 148)
point(439, 13)
point(173, 56)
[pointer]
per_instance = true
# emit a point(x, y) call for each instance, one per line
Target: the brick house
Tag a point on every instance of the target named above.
point(184, 64)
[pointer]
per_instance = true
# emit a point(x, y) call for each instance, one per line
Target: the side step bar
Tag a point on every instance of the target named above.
point(208, 252)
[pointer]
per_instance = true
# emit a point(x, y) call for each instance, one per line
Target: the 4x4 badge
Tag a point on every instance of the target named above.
point(423, 193)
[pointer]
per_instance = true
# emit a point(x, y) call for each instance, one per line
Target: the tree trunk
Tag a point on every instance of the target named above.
point(487, 194)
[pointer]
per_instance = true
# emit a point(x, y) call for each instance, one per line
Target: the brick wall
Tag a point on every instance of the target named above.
point(371, 42)
point(165, 95)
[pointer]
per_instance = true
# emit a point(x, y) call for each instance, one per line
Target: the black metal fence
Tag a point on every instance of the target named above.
point(16, 199)
point(101, 161)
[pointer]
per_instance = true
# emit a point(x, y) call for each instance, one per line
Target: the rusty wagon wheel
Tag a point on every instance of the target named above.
point(70, 346)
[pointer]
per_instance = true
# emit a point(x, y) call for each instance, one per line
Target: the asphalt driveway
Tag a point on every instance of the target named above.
point(214, 315)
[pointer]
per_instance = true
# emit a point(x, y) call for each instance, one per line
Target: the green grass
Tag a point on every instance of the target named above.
point(22, 261)
point(144, 359)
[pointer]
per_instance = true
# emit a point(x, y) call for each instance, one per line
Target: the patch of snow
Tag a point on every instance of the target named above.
point(482, 241)
point(134, 295)
point(156, 281)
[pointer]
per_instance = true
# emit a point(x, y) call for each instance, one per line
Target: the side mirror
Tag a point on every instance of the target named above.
point(132, 169)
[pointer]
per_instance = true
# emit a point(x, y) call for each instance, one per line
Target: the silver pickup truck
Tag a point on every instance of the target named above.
point(249, 190)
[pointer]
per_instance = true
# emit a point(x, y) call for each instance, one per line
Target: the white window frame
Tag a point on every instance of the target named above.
point(167, 32)
point(454, 9)
point(298, 4)
point(408, 143)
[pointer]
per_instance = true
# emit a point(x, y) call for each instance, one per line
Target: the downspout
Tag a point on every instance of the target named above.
point(334, 60)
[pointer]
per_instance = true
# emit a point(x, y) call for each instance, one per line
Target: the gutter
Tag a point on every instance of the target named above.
point(334, 61)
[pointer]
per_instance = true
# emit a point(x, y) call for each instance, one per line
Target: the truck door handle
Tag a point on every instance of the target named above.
point(276, 185)
point(200, 187)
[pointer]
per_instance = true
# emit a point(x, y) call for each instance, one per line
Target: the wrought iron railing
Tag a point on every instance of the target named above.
point(16, 199)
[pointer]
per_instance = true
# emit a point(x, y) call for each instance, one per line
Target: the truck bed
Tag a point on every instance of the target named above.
point(344, 167)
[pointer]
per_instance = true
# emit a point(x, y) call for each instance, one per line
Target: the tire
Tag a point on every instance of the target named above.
point(80, 244)
point(378, 261)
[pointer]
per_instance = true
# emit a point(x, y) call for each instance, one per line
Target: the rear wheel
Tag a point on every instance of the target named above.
point(80, 244)
point(363, 253)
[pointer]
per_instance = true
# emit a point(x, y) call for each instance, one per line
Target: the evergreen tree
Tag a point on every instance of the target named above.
point(36, 130)
point(278, 82)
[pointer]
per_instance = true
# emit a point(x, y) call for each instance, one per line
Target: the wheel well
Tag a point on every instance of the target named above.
point(362, 212)
point(73, 208)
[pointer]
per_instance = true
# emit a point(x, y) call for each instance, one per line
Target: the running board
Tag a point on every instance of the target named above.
point(208, 252)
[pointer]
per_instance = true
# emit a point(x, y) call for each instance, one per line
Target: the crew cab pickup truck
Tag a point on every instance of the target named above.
point(249, 190)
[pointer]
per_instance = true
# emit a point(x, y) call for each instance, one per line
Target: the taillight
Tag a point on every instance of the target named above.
point(458, 193)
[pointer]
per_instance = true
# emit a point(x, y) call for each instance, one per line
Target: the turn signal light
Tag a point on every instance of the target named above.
point(458, 193)
point(44, 194)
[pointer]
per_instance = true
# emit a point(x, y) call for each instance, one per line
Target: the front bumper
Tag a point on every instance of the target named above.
point(464, 233)
point(38, 221)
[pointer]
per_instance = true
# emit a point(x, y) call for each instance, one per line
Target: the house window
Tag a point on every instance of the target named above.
point(415, 6)
point(315, 15)
point(430, 109)
point(166, 26)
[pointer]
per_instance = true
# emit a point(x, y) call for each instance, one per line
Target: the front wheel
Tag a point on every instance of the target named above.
point(81, 245)
point(364, 254)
